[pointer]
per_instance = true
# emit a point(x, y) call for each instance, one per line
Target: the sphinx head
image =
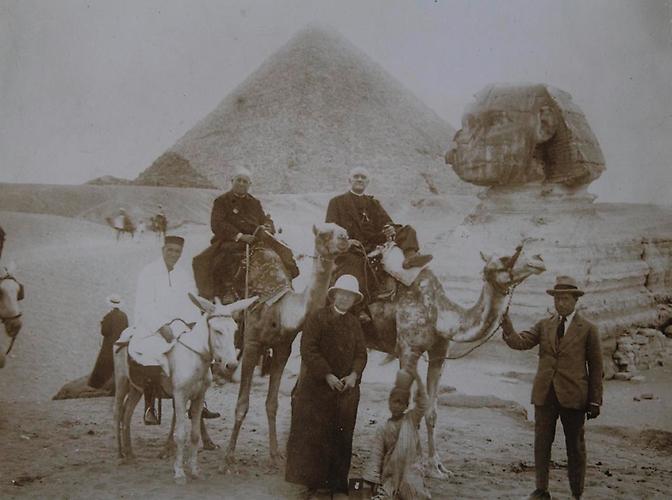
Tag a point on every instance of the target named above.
point(519, 134)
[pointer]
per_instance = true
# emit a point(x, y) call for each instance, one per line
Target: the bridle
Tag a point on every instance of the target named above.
point(206, 357)
point(7, 276)
point(508, 290)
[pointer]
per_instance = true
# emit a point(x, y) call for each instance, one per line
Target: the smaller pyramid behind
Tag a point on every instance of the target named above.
point(314, 109)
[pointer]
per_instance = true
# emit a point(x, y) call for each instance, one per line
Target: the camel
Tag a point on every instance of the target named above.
point(421, 318)
point(209, 341)
point(277, 326)
point(11, 292)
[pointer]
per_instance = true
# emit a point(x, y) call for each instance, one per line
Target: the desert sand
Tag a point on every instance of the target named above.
point(67, 449)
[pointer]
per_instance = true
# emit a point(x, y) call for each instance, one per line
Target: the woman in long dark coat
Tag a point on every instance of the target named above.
point(113, 323)
point(326, 395)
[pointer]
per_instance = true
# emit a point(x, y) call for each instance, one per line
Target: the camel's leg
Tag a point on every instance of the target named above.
point(250, 357)
point(195, 435)
point(180, 436)
point(169, 447)
point(129, 406)
point(120, 392)
point(437, 355)
point(280, 356)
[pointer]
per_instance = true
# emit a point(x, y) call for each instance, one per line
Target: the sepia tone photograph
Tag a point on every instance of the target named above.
point(318, 249)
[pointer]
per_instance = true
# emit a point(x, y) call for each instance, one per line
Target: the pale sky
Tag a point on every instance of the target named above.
point(94, 88)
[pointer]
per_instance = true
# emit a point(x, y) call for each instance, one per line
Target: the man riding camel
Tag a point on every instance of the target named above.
point(369, 224)
point(161, 297)
point(236, 221)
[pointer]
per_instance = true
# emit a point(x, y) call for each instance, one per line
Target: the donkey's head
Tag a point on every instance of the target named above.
point(221, 330)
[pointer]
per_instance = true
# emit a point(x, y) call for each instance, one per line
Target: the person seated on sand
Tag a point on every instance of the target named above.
point(367, 222)
point(235, 219)
point(113, 323)
point(162, 295)
point(394, 469)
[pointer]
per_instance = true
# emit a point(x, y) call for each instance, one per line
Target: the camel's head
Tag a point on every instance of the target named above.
point(331, 240)
point(221, 331)
point(11, 292)
point(506, 271)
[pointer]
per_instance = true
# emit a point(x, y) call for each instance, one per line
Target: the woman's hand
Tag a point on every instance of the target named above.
point(349, 381)
point(335, 383)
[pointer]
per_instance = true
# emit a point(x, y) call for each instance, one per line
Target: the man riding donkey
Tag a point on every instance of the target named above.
point(370, 227)
point(162, 306)
point(241, 227)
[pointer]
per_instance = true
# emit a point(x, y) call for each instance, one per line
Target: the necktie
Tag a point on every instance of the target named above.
point(561, 328)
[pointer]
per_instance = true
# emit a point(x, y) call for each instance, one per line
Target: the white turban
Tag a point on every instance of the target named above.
point(359, 170)
point(242, 172)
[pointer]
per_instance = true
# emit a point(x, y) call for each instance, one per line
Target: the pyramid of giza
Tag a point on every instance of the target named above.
point(310, 112)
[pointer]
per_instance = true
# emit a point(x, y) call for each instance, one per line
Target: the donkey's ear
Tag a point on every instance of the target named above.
point(315, 231)
point(203, 304)
point(484, 257)
point(240, 305)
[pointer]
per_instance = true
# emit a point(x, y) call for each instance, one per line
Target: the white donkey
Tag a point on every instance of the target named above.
point(210, 341)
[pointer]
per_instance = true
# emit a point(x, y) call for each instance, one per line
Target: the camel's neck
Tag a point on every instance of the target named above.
point(483, 317)
point(315, 294)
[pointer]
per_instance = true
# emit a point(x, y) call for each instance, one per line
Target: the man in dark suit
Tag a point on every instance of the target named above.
point(366, 221)
point(568, 382)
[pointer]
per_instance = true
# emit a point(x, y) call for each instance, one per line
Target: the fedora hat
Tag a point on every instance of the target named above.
point(348, 283)
point(565, 284)
point(114, 300)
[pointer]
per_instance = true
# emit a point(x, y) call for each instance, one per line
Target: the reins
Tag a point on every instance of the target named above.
point(487, 337)
point(7, 319)
point(504, 291)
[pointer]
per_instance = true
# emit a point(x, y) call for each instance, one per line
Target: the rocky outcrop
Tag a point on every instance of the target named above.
point(641, 349)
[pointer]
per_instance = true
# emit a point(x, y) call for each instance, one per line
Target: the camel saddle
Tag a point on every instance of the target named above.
point(269, 276)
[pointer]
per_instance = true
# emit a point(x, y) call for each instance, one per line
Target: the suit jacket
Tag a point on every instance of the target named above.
point(233, 214)
point(574, 366)
point(364, 224)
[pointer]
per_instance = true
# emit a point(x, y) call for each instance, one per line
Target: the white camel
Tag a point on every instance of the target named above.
point(209, 341)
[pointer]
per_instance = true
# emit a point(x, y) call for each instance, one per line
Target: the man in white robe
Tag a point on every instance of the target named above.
point(162, 296)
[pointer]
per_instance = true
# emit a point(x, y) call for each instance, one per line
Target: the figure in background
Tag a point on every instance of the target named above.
point(568, 383)
point(326, 395)
point(113, 323)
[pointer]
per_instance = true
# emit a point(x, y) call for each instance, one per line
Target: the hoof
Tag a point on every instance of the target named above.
point(167, 452)
point(181, 480)
point(196, 475)
point(435, 469)
point(209, 446)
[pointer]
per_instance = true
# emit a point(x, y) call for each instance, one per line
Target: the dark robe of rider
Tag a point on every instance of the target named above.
point(113, 323)
point(236, 216)
point(366, 221)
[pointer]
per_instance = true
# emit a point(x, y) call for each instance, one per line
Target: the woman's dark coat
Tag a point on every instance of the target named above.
point(323, 420)
point(111, 327)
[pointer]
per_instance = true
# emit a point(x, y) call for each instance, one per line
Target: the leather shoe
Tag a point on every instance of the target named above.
point(150, 417)
point(417, 260)
point(205, 413)
point(540, 495)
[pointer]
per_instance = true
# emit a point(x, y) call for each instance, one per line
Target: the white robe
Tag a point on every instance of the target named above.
point(162, 296)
